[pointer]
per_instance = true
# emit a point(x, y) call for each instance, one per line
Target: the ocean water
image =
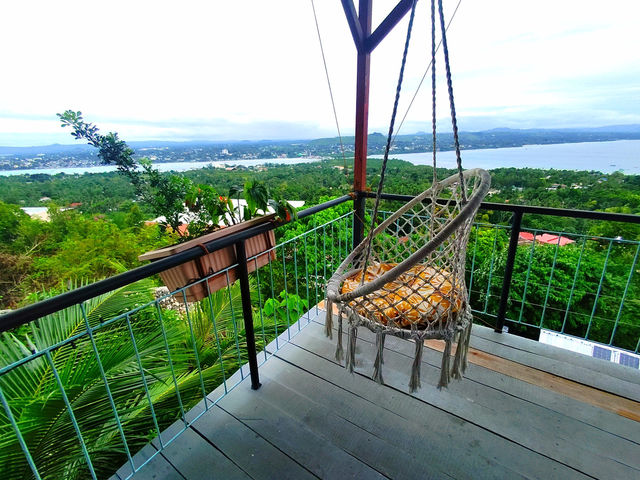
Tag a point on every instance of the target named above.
point(163, 167)
point(606, 157)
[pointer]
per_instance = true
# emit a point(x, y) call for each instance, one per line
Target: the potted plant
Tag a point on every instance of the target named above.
point(196, 214)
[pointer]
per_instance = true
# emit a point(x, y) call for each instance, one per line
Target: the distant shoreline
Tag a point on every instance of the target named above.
point(606, 157)
point(162, 166)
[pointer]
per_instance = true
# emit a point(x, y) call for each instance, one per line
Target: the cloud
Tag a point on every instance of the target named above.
point(249, 70)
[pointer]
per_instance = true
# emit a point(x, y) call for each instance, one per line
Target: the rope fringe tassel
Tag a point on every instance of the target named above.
point(414, 382)
point(445, 375)
point(351, 348)
point(328, 321)
point(460, 362)
point(377, 365)
point(339, 349)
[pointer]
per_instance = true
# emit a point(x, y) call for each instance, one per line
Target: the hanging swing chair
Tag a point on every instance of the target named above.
point(407, 277)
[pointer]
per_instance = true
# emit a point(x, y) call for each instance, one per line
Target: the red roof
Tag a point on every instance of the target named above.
point(183, 229)
point(546, 238)
point(554, 239)
point(526, 236)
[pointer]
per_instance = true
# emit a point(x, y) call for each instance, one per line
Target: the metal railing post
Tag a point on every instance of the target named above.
point(245, 291)
point(358, 218)
point(508, 270)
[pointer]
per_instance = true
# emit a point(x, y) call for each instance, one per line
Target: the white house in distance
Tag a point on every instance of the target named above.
point(592, 349)
point(186, 217)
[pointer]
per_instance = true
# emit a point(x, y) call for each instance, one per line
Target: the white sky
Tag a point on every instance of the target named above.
point(252, 69)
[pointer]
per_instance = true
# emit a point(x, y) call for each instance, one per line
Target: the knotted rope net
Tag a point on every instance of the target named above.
point(413, 285)
point(407, 278)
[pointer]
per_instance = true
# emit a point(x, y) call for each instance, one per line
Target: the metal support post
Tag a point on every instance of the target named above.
point(245, 291)
point(366, 42)
point(358, 218)
point(508, 270)
point(362, 121)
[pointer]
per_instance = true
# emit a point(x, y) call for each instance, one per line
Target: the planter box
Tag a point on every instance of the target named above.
point(178, 277)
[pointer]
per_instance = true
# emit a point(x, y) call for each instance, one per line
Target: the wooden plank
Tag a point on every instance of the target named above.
point(594, 364)
point(547, 393)
point(602, 410)
point(239, 377)
point(478, 452)
point(562, 363)
point(594, 440)
point(276, 401)
point(578, 391)
point(555, 438)
point(307, 404)
point(158, 468)
point(246, 448)
point(560, 368)
point(195, 458)
point(319, 456)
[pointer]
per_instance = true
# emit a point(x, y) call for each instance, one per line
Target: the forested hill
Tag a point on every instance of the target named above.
point(12, 158)
point(496, 138)
point(106, 230)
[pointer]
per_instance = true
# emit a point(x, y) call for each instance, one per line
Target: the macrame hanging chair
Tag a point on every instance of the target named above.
point(407, 277)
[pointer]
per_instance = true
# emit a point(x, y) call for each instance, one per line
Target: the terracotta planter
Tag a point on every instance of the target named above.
point(178, 277)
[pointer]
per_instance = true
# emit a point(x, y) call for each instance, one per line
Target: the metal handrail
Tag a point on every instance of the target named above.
point(26, 314)
point(516, 223)
point(508, 207)
point(232, 362)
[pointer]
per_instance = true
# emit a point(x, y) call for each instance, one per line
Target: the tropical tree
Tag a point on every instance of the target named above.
point(39, 405)
point(138, 365)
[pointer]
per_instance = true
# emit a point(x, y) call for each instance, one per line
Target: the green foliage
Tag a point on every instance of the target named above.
point(111, 150)
point(107, 234)
point(567, 289)
point(36, 400)
point(14, 271)
point(289, 307)
point(11, 217)
point(306, 261)
point(168, 195)
point(215, 324)
point(105, 192)
point(91, 248)
point(39, 257)
point(72, 246)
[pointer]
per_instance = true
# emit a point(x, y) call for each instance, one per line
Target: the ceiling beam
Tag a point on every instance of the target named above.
point(400, 10)
point(354, 23)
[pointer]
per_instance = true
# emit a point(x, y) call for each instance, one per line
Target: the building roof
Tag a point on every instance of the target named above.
point(548, 238)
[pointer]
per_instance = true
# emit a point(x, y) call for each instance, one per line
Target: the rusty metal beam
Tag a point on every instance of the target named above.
point(362, 101)
point(354, 23)
point(400, 10)
point(366, 42)
point(362, 122)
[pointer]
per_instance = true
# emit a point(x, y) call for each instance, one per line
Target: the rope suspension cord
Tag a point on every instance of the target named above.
point(433, 90)
point(412, 285)
point(415, 94)
point(452, 105)
point(432, 64)
point(389, 137)
point(326, 71)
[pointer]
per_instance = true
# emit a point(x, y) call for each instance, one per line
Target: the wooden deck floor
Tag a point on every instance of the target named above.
point(524, 410)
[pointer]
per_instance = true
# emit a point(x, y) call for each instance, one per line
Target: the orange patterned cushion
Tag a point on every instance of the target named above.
point(420, 296)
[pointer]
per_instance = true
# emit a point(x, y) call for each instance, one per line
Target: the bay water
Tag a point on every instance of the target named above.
point(605, 157)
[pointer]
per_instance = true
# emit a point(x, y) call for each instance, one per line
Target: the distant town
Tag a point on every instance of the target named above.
point(66, 156)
